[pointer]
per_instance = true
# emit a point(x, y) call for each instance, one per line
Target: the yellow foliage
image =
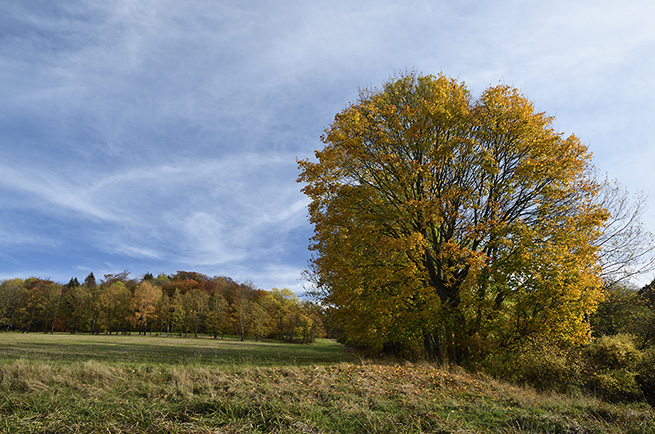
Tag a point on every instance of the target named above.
point(468, 221)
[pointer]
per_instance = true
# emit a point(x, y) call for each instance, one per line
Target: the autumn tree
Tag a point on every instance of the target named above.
point(242, 312)
point(311, 326)
point(110, 279)
point(258, 320)
point(179, 312)
point(163, 312)
point(197, 302)
point(9, 296)
point(31, 303)
point(25, 307)
point(251, 319)
point(282, 307)
point(50, 304)
point(452, 224)
point(217, 319)
point(79, 300)
point(144, 303)
point(115, 305)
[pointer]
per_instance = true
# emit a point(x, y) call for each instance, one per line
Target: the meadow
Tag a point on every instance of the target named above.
point(145, 384)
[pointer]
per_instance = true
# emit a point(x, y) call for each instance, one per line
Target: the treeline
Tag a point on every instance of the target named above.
point(186, 303)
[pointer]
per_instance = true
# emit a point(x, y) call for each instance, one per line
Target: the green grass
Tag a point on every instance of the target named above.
point(137, 350)
point(128, 384)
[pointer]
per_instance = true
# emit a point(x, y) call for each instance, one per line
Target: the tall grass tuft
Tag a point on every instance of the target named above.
point(27, 376)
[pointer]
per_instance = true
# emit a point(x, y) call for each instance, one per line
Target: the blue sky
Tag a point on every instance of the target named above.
point(162, 135)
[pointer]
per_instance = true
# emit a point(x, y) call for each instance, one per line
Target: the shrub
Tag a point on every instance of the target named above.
point(540, 365)
point(611, 367)
point(615, 385)
point(613, 352)
point(646, 375)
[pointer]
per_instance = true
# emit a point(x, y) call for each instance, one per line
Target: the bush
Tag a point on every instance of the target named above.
point(542, 366)
point(646, 375)
point(615, 385)
point(613, 352)
point(611, 367)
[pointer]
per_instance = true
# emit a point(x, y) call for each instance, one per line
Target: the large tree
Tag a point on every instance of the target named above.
point(451, 224)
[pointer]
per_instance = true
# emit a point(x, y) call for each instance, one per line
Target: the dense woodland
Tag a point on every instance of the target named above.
point(186, 303)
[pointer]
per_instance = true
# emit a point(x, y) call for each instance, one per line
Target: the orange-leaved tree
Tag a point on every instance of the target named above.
point(450, 225)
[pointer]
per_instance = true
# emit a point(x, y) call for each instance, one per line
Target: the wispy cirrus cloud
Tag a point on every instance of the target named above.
point(158, 135)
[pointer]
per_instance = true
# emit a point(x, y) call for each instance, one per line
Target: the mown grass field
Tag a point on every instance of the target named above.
point(137, 350)
point(136, 384)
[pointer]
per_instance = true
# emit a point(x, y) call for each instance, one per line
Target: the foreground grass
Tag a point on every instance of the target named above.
point(84, 396)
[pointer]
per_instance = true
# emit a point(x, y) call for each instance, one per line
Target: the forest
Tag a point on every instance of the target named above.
point(183, 304)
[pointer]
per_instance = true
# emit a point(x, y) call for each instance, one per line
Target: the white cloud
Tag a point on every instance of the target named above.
point(156, 133)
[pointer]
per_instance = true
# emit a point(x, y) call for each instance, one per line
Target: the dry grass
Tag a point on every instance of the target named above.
point(86, 396)
point(92, 397)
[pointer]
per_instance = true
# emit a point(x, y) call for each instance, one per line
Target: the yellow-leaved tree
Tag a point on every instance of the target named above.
point(451, 226)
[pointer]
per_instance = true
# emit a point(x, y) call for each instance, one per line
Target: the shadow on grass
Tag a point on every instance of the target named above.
point(166, 350)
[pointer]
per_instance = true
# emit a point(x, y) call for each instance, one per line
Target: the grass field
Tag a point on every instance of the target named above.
point(136, 384)
point(153, 350)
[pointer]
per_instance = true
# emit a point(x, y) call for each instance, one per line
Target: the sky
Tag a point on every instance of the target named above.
point(162, 135)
